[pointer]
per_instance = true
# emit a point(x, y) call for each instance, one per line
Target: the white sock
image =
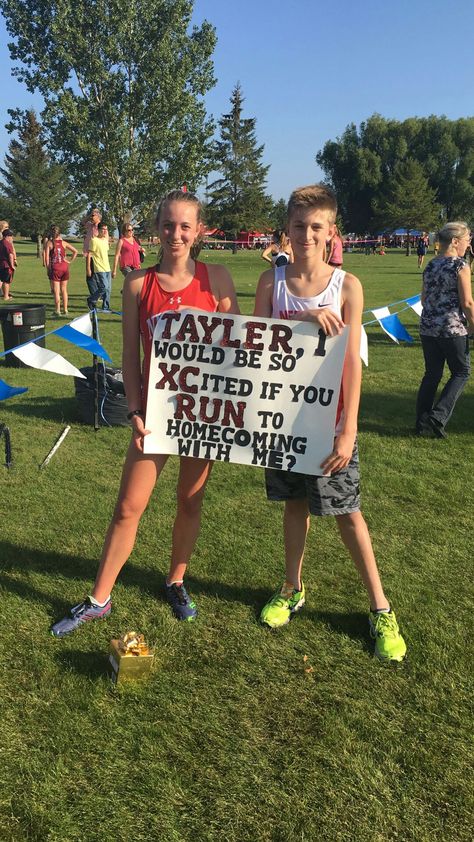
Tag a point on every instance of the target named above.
point(174, 582)
point(97, 603)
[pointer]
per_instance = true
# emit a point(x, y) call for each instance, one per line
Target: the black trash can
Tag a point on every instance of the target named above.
point(113, 407)
point(21, 323)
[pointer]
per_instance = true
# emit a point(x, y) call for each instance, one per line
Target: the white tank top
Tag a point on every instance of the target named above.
point(285, 304)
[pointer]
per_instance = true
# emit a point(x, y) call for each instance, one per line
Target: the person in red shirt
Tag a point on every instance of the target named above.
point(178, 281)
point(57, 267)
point(334, 250)
point(129, 253)
point(7, 262)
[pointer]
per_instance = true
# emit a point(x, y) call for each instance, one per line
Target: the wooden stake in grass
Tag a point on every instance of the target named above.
point(55, 447)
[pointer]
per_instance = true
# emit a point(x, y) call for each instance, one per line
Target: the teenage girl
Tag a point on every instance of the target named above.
point(178, 281)
point(57, 267)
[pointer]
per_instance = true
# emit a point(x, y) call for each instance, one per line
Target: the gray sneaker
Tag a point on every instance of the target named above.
point(79, 614)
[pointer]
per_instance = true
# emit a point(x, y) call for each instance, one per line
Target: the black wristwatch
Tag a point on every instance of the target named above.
point(134, 412)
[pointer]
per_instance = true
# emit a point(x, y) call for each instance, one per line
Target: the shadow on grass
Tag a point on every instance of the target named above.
point(150, 581)
point(393, 415)
point(48, 409)
point(92, 664)
point(353, 625)
point(253, 597)
point(30, 561)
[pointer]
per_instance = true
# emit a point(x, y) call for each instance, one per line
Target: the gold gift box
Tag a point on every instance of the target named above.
point(130, 659)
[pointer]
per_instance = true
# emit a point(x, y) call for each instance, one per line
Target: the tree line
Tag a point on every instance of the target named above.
point(125, 120)
point(416, 173)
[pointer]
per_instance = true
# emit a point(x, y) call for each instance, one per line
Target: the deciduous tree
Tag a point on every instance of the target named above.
point(363, 160)
point(123, 85)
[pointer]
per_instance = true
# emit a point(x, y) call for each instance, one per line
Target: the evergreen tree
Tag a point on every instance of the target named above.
point(237, 200)
point(409, 201)
point(279, 214)
point(35, 191)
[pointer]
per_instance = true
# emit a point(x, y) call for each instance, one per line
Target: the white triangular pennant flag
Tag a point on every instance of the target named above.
point(381, 313)
point(417, 307)
point(83, 324)
point(41, 358)
point(364, 346)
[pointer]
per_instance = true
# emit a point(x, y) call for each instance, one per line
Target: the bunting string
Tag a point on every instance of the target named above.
point(79, 332)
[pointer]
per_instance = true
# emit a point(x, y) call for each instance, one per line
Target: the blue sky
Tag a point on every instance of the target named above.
point(309, 68)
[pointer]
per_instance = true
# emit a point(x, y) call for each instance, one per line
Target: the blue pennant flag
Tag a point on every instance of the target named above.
point(71, 335)
point(413, 300)
point(393, 326)
point(7, 391)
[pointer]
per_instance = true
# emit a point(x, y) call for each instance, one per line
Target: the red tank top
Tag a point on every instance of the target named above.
point(129, 254)
point(155, 300)
point(57, 253)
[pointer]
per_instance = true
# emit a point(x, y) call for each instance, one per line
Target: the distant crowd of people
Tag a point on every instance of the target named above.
point(129, 254)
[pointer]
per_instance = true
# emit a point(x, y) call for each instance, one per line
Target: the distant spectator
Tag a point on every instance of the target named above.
point(128, 251)
point(57, 267)
point(4, 224)
point(98, 268)
point(279, 252)
point(469, 253)
point(334, 250)
point(92, 230)
point(7, 262)
point(421, 251)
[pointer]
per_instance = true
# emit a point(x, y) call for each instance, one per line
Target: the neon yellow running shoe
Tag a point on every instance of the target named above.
point(389, 644)
point(279, 609)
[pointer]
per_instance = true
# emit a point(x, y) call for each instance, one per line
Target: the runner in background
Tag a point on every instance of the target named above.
point(279, 252)
point(58, 268)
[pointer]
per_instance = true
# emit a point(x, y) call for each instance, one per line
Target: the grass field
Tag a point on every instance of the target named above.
point(233, 739)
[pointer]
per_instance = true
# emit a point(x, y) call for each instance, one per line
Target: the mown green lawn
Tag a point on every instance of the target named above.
point(233, 738)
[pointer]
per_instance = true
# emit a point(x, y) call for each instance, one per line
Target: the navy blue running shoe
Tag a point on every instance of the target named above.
point(80, 614)
point(184, 608)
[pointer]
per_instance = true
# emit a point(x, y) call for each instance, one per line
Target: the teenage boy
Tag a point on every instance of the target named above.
point(101, 275)
point(7, 262)
point(310, 290)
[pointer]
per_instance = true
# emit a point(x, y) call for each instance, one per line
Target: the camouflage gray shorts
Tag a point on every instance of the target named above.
point(338, 494)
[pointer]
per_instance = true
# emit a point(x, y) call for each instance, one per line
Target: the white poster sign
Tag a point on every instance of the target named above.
point(243, 389)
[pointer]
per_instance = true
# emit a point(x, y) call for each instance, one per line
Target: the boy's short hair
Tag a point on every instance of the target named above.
point(7, 232)
point(318, 196)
